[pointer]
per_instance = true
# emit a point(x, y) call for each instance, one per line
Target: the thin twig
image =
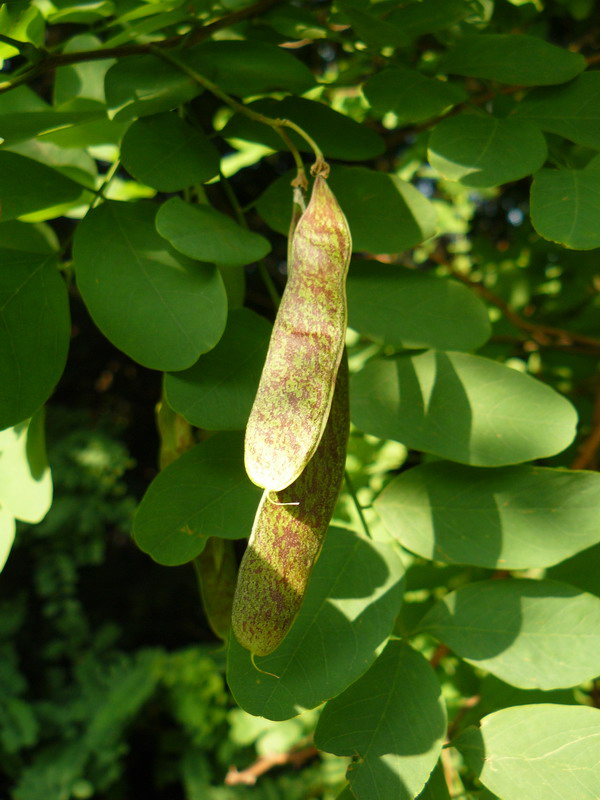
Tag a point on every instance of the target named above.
point(586, 455)
point(248, 776)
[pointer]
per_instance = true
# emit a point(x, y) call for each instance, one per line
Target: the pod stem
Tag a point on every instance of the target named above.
point(320, 167)
point(264, 671)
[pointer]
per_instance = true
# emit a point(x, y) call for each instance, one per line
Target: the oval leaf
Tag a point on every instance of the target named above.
point(513, 58)
point(461, 407)
point(205, 492)
point(338, 136)
point(248, 67)
point(157, 306)
point(481, 150)
point(511, 518)
point(394, 720)
point(571, 110)
point(27, 186)
point(385, 214)
point(541, 752)
point(34, 334)
point(565, 204)
point(204, 233)
point(164, 152)
point(409, 309)
point(352, 600)
point(217, 393)
point(25, 480)
point(412, 96)
point(531, 634)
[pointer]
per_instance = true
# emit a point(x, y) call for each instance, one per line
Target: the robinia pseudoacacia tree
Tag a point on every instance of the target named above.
point(450, 630)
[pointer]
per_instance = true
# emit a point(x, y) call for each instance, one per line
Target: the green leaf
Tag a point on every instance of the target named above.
point(27, 186)
point(25, 480)
point(34, 333)
point(352, 599)
point(571, 110)
point(159, 307)
point(7, 535)
point(218, 391)
point(531, 634)
point(405, 308)
point(25, 125)
point(511, 518)
point(410, 95)
point(481, 150)
point(374, 31)
point(338, 136)
point(142, 85)
point(164, 152)
point(565, 204)
point(15, 235)
point(436, 787)
point(205, 492)
point(202, 232)
point(428, 16)
point(512, 58)
point(394, 720)
point(385, 214)
point(84, 81)
point(461, 407)
point(247, 67)
point(84, 11)
point(541, 752)
point(582, 570)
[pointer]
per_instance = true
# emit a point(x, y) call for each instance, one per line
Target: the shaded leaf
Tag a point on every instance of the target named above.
point(246, 67)
point(531, 634)
point(429, 16)
point(542, 752)
point(410, 309)
point(385, 214)
point(462, 407)
point(218, 391)
point(582, 570)
point(34, 334)
point(338, 136)
point(27, 185)
point(571, 110)
point(512, 58)
point(205, 492)
point(510, 518)
point(142, 85)
point(394, 719)
point(565, 204)
point(165, 152)
point(481, 150)
point(202, 232)
point(159, 307)
point(352, 599)
point(412, 96)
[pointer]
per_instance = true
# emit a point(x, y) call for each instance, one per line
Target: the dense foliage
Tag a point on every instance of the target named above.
point(148, 149)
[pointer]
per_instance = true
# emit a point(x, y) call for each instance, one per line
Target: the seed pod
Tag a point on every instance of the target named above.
point(216, 570)
point(286, 539)
point(296, 387)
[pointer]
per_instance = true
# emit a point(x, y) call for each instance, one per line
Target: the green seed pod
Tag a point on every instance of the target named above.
point(287, 537)
point(296, 387)
point(216, 570)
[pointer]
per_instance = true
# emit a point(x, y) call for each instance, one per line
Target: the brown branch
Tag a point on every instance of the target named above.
point(249, 776)
point(50, 62)
point(440, 651)
point(586, 454)
point(545, 335)
point(469, 703)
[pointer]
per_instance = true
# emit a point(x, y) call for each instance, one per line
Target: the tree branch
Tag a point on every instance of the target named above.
point(50, 61)
point(248, 776)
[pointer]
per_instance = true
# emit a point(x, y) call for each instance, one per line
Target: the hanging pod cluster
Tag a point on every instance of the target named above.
point(297, 432)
